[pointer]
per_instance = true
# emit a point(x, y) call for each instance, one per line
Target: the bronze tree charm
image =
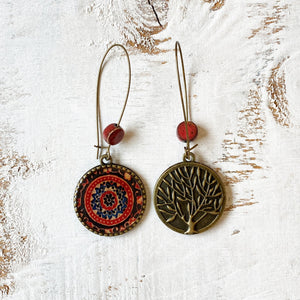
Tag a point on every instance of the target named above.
point(189, 197)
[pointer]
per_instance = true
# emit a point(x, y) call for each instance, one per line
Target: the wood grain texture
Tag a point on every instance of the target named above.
point(242, 65)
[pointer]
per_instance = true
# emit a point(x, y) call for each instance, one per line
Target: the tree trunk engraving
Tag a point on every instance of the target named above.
point(189, 197)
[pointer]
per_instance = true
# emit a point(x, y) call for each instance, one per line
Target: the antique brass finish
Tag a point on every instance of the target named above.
point(99, 145)
point(129, 198)
point(189, 197)
point(109, 199)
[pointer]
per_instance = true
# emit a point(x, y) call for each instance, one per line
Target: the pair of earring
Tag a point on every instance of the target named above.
point(110, 199)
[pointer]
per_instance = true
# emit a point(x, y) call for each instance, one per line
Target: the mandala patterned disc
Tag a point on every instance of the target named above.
point(189, 197)
point(109, 199)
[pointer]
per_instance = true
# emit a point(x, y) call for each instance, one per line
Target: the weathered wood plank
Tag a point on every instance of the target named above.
point(242, 62)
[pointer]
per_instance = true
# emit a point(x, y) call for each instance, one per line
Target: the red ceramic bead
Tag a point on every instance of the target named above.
point(113, 134)
point(192, 131)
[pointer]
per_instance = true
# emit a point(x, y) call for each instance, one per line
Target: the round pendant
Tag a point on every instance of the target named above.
point(189, 197)
point(109, 199)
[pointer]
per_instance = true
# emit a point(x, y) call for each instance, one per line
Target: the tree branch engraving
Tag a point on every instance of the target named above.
point(189, 194)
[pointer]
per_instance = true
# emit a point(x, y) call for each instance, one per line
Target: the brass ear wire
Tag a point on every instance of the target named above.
point(189, 197)
point(109, 199)
point(99, 145)
point(185, 104)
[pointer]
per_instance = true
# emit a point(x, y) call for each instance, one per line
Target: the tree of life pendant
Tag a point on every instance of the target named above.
point(110, 199)
point(189, 197)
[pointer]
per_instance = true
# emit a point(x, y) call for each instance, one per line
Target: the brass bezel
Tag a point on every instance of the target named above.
point(175, 166)
point(123, 168)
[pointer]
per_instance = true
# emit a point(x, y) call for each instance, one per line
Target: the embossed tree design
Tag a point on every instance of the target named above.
point(190, 194)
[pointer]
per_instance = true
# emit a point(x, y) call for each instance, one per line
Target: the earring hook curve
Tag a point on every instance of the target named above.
point(99, 145)
point(184, 102)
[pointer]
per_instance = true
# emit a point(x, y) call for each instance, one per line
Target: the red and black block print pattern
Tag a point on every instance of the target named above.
point(110, 199)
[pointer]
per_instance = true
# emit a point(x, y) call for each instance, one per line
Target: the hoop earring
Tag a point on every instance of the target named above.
point(109, 199)
point(189, 197)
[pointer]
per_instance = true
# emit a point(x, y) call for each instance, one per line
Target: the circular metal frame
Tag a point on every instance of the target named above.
point(176, 167)
point(122, 169)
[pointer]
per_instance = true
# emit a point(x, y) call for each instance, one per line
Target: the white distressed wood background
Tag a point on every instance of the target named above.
point(243, 67)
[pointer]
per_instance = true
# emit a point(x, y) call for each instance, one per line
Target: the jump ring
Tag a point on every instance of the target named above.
point(189, 156)
point(105, 159)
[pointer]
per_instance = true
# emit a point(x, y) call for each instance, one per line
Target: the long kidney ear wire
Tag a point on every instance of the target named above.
point(188, 155)
point(99, 145)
